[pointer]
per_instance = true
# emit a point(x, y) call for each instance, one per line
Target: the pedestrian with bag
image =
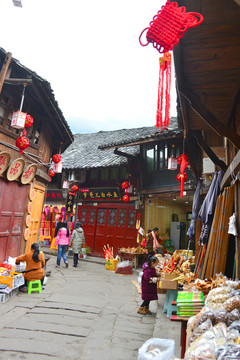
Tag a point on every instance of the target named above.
point(62, 240)
point(149, 284)
point(77, 241)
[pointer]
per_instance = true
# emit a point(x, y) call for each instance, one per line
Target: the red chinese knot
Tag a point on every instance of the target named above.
point(164, 31)
point(22, 143)
point(51, 173)
point(56, 158)
point(182, 176)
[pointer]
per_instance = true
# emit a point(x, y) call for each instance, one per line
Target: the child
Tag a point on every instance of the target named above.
point(62, 240)
point(149, 284)
point(77, 241)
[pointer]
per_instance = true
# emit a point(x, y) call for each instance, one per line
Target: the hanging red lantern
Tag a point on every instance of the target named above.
point(164, 31)
point(74, 188)
point(56, 158)
point(22, 143)
point(125, 198)
point(51, 173)
point(125, 185)
point(28, 121)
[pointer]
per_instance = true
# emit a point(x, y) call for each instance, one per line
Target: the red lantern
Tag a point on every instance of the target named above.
point(125, 185)
point(125, 198)
point(74, 188)
point(28, 121)
point(22, 143)
point(56, 158)
point(51, 173)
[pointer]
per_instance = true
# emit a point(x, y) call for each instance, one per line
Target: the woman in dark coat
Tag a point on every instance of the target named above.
point(149, 285)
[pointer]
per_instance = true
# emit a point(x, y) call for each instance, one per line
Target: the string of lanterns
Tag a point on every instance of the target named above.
point(125, 186)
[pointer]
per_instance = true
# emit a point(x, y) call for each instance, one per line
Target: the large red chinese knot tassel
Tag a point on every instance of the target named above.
point(164, 31)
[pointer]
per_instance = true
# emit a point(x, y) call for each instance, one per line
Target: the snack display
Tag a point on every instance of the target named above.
point(133, 250)
point(232, 303)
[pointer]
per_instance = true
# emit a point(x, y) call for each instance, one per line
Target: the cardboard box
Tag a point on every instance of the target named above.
point(168, 284)
point(168, 276)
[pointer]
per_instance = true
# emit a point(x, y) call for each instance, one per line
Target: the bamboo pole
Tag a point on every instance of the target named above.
point(211, 240)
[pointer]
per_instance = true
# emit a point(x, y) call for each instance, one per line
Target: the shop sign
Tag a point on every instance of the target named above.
point(70, 202)
point(4, 161)
point(28, 174)
point(15, 169)
point(54, 195)
point(100, 194)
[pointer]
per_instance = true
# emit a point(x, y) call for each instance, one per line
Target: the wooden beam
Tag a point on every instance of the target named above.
point(18, 81)
point(4, 69)
point(208, 117)
point(232, 170)
point(209, 152)
point(238, 2)
point(129, 156)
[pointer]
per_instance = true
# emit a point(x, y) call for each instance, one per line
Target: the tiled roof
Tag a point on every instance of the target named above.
point(86, 150)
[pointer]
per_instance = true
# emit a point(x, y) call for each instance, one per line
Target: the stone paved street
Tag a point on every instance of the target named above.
point(84, 313)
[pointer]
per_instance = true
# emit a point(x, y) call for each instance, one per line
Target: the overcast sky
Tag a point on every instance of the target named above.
point(89, 51)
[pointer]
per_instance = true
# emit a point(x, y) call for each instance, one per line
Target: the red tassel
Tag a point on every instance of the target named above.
point(24, 132)
point(160, 92)
point(167, 58)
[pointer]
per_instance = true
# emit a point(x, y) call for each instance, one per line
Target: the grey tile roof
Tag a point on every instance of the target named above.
point(86, 150)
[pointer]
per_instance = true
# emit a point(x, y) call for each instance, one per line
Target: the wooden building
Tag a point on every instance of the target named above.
point(207, 63)
point(158, 190)
point(21, 198)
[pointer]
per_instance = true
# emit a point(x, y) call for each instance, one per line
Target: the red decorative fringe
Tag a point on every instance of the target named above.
point(165, 67)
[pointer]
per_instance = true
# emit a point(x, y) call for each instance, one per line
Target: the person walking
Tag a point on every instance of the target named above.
point(77, 241)
point(148, 285)
point(62, 240)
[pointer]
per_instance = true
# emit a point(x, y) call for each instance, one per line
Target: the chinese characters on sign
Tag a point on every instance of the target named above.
point(15, 169)
point(69, 203)
point(54, 195)
point(4, 161)
point(28, 174)
point(100, 194)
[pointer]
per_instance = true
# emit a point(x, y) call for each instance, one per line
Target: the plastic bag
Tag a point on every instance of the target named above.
point(228, 352)
point(198, 331)
point(208, 314)
point(157, 349)
point(123, 267)
point(201, 350)
point(232, 303)
point(217, 297)
point(235, 326)
point(220, 316)
point(233, 316)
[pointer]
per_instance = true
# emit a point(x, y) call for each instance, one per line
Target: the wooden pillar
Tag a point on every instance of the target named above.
point(237, 238)
point(4, 69)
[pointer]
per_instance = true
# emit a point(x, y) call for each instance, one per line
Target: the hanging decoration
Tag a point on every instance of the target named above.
point(74, 188)
point(164, 31)
point(125, 198)
point(47, 210)
point(28, 121)
point(56, 158)
point(18, 120)
point(63, 211)
point(182, 176)
point(55, 209)
point(51, 173)
point(125, 187)
point(22, 143)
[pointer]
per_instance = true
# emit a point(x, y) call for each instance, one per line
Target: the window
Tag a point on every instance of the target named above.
point(156, 156)
point(93, 174)
point(104, 174)
point(123, 172)
point(114, 173)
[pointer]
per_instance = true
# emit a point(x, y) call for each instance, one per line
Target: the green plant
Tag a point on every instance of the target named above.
point(87, 250)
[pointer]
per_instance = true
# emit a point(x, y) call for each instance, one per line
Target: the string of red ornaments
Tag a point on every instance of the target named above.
point(164, 32)
point(182, 176)
point(125, 186)
point(22, 141)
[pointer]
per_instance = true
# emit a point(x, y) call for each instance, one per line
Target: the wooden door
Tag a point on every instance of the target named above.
point(13, 199)
point(36, 214)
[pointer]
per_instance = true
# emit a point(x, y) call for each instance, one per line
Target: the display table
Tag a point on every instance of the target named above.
point(183, 321)
point(135, 257)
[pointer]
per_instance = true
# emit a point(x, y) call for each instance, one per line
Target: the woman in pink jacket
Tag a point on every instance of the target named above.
point(62, 240)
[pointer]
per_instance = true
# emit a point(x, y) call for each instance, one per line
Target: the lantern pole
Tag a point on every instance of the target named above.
point(23, 94)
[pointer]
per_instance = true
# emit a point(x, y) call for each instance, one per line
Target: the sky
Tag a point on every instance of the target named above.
point(89, 51)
